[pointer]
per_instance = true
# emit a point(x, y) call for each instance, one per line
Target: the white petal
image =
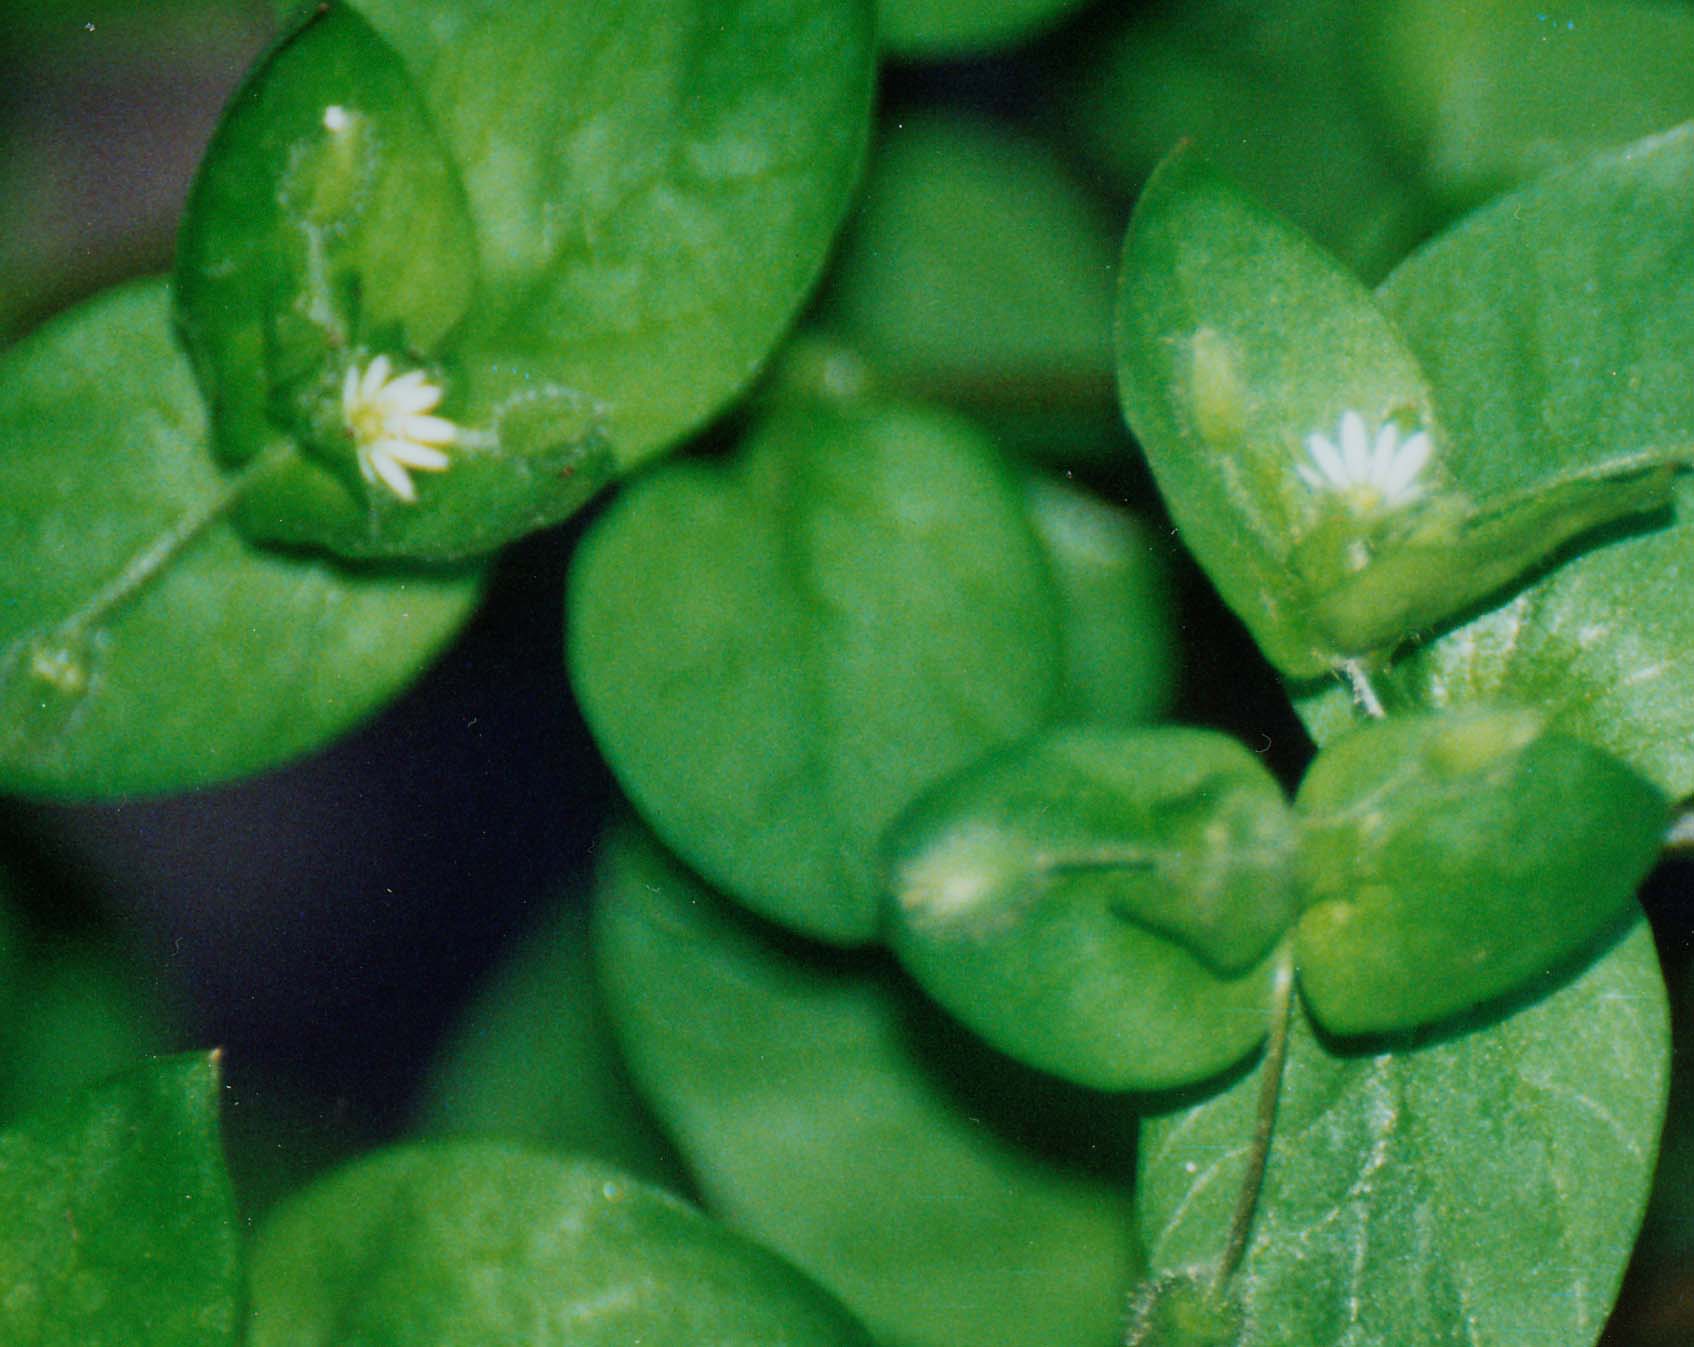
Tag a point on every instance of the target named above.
point(1310, 477)
point(1408, 463)
point(410, 393)
point(1382, 458)
point(1355, 447)
point(413, 455)
point(376, 375)
point(424, 429)
point(393, 474)
point(1328, 460)
point(350, 392)
point(367, 467)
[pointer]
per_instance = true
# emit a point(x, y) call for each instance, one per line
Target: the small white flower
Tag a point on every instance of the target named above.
point(391, 428)
point(1371, 477)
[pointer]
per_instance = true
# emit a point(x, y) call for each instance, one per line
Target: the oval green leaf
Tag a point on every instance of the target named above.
point(1117, 623)
point(470, 1243)
point(328, 256)
point(621, 210)
point(943, 1193)
point(82, 1011)
point(1553, 326)
point(144, 645)
point(120, 1225)
point(856, 607)
point(1100, 904)
point(534, 1059)
point(1480, 1189)
point(1447, 860)
point(326, 219)
point(1486, 96)
point(976, 273)
point(1239, 81)
point(75, 1007)
point(1292, 435)
point(1238, 342)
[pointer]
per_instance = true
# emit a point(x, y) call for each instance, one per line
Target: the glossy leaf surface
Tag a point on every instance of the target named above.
point(1552, 325)
point(584, 226)
point(856, 607)
point(328, 217)
point(947, 1195)
point(1293, 438)
point(1446, 860)
point(1481, 1189)
point(1100, 904)
point(228, 659)
point(328, 231)
point(120, 1227)
point(471, 1243)
point(1237, 341)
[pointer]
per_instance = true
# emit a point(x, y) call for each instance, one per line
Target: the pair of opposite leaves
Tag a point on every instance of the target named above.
point(1113, 905)
point(1295, 439)
point(517, 238)
point(447, 268)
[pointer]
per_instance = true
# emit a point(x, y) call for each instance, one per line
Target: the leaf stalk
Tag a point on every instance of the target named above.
point(1270, 1092)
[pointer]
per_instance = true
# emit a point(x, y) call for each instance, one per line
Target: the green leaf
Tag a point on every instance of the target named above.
point(1238, 340)
point(976, 274)
point(1116, 619)
point(534, 1060)
point(1410, 584)
point(1552, 325)
point(1241, 82)
point(828, 1112)
point(328, 231)
point(1098, 904)
point(81, 1012)
point(470, 1243)
point(622, 208)
point(1478, 1189)
point(1241, 347)
point(327, 219)
point(857, 607)
point(75, 1006)
point(144, 646)
point(120, 1226)
point(1488, 95)
point(1449, 859)
point(932, 29)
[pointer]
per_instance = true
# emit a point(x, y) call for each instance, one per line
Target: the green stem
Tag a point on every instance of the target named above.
point(1270, 1091)
point(147, 564)
point(1101, 858)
